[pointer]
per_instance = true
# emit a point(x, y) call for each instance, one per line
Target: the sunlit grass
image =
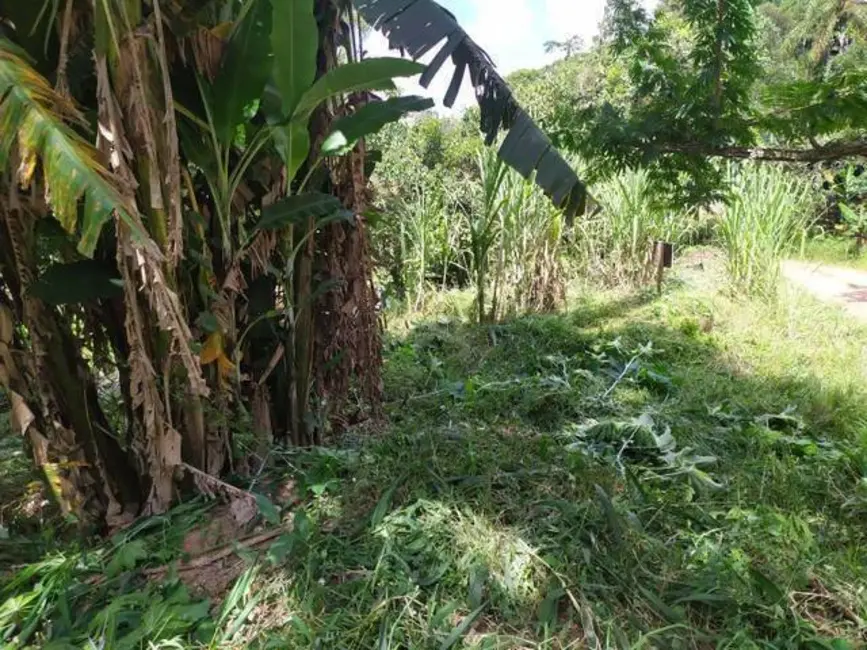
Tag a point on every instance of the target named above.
point(836, 251)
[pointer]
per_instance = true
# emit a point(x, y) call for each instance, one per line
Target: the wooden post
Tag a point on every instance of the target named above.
point(663, 255)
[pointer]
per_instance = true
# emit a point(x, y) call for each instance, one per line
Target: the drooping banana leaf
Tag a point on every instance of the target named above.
point(33, 122)
point(416, 27)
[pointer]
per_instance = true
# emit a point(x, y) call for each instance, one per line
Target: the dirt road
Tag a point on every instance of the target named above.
point(841, 286)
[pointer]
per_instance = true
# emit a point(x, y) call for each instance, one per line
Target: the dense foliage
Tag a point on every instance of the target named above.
point(702, 80)
point(449, 213)
point(201, 272)
point(652, 108)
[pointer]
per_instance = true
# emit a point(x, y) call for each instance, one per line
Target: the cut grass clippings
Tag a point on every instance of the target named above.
point(684, 471)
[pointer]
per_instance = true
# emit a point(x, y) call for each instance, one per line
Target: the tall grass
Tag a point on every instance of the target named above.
point(418, 217)
point(768, 213)
point(418, 245)
point(490, 228)
point(614, 243)
point(528, 271)
point(516, 244)
point(484, 224)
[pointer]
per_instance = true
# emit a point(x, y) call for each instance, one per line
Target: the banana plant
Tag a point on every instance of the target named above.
point(34, 116)
point(290, 103)
point(269, 69)
point(270, 66)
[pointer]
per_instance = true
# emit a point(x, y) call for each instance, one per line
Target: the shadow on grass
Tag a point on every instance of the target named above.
point(590, 310)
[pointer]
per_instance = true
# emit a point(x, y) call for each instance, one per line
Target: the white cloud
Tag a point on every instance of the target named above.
point(513, 33)
point(566, 18)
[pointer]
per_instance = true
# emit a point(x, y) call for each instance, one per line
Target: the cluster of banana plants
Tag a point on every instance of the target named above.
point(179, 200)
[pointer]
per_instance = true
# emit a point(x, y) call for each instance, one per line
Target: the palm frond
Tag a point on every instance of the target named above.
point(419, 26)
point(35, 122)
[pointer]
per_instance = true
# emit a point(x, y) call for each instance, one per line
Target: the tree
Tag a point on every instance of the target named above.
point(186, 204)
point(825, 29)
point(701, 86)
point(568, 47)
point(205, 259)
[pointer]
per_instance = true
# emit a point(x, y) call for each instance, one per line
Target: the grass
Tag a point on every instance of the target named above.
point(615, 244)
point(837, 251)
point(685, 471)
point(765, 219)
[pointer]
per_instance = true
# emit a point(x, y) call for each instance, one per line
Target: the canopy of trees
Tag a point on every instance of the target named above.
point(782, 81)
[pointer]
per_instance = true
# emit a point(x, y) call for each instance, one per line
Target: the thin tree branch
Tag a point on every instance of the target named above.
point(830, 151)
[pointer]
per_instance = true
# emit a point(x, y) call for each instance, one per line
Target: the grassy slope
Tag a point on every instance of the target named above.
point(526, 494)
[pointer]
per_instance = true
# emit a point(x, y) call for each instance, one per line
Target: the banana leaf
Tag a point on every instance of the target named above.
point(416, 27)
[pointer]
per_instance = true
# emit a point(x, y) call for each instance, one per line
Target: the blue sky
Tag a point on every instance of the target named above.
point(513, 33)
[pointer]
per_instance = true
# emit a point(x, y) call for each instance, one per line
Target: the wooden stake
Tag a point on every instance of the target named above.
point(663, 255)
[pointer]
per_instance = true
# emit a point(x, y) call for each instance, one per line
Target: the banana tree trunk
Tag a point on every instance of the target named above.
point(58, 407)
point(166, 385)
point(334, 342)
point(347, 347)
